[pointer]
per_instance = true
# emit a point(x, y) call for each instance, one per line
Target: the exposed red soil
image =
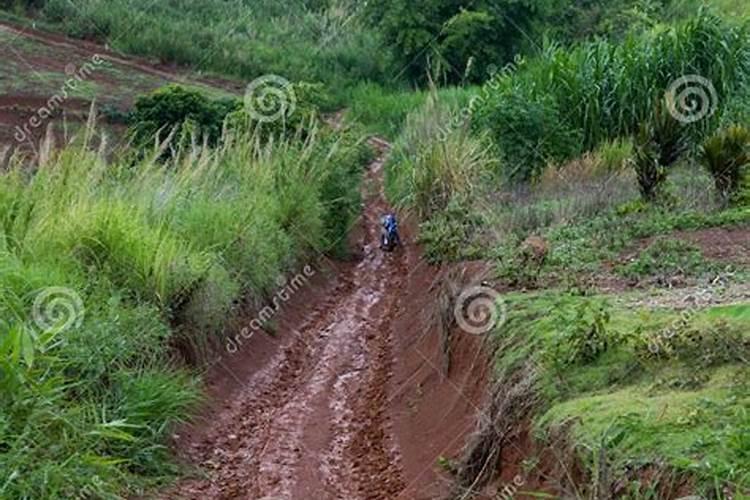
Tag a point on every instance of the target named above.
point(723, 244)
point(529, 468)
point(348, 400)
point(77, 50)
point(728, 245)
point(18, 130)
point(64, 58)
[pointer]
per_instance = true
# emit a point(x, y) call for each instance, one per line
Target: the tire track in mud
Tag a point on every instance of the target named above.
point(314, 422)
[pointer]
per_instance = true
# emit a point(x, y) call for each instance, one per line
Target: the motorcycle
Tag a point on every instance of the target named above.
point(389, 237)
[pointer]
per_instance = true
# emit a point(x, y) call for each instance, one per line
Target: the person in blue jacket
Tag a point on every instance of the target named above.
point(389, 238)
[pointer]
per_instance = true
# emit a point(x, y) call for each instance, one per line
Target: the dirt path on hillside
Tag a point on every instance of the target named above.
point(75, 48)
point(315, 418)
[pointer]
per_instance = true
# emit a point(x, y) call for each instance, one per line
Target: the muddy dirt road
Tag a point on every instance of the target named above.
point(314, 422)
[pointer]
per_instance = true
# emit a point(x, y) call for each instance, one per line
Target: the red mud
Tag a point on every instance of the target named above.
point(723, 244)
point(348, 400)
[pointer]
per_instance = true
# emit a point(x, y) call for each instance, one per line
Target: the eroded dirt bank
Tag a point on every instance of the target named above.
point(350, 399)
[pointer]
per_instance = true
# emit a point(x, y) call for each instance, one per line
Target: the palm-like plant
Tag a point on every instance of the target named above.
point(659, 143)
point(725, 155)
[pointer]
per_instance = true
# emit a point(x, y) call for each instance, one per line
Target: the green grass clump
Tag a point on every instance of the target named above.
point(382, 110)
point(149, 256)
point(594, 373)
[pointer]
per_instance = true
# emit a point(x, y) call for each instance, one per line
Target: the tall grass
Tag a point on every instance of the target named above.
point(432, 165)
point(86, 405)
point(384, 110)
point(443, 173)
point(567, 101)
point(299, 39)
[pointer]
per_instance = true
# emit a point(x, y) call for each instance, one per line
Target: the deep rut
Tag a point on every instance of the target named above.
point(314, 422)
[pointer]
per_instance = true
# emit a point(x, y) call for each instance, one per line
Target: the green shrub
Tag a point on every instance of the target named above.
point(22, 4)
point(434, 31)
point(280, 109)
point(726, 155)
point(584, 333)
point(449, 235)
point(530, 132)
point(659, 143)
point(472, 43)
point(695, 345)
point(184, 112)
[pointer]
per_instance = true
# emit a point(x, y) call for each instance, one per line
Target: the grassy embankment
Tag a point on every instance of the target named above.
point(150, 256)
point(299, 40)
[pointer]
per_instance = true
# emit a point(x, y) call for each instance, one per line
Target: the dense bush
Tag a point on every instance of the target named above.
point(614, 19)
point(288, 109)
point(530, 133)
point(179, 111)
point(584, 334)
point(21, 4)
